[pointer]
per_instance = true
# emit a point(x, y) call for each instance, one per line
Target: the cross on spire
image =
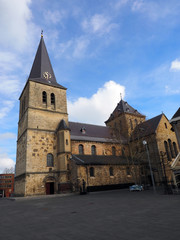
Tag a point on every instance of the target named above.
point(120, 96)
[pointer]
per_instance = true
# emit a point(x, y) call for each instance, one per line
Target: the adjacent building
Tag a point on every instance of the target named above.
point(6, 185)
point(175, 166)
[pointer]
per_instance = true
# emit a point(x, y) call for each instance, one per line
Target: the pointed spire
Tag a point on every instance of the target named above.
point(122, 107)
point(62, 126)
point(42, 70)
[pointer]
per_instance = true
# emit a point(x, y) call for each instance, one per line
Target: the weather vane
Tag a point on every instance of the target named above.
point(41, 33)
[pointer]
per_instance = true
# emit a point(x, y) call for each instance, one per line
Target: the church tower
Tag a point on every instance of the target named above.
point(43, 144)
point(124, 119)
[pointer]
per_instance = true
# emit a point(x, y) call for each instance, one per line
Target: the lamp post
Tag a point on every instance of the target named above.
point(152, 178)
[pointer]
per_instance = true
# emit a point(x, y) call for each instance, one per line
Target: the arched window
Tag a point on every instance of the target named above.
point(111, 171)
point(113, 151)
point(52, 99)
point(93, 150)
point(170, 147)
point(81, 149)
point(136, 122)
point(175, 148)
point(131, 125)
point(128, 171)
point(123, 154)
point(50, 160)
point(167, 151)
point(120, 124)
point(91, 172)
point(44, 97)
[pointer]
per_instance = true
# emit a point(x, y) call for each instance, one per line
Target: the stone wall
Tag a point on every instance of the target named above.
point(101, 175)
point(35, 97)
point(39, 144)
point(164, 133)
point(122, 124)
point(19, 186)
point(21, 154)
point(101, 148)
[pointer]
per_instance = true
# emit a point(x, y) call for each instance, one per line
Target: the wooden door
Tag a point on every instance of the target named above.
point(47, 188)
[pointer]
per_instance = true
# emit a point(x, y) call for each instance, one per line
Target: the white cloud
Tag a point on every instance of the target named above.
point(16, 23)
point(54, 16)
point(99, 106)
point(98, 24)
point(6, 108)
point(75, 48)
point(119, 4)
point(9, 61)
point(7, 135)
point(153, 9)
point(80, 47)
point(171, 91)
point(10, 86)
point(138, 5)
point(175, 65)
point(5, 162)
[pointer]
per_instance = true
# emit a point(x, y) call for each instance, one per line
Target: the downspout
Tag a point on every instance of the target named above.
point(87, 177)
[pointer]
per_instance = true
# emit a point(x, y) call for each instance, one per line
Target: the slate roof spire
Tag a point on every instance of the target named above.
point(62, 126)
point(42, 70)
point(123, 107)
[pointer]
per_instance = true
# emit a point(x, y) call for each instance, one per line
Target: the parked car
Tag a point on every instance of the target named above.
point(136, 188)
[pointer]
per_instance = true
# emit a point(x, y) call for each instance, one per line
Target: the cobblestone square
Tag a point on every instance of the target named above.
point(117, 214)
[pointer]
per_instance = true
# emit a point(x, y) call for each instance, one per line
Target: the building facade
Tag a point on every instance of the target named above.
point(55, 155)
point(175, 166)
point(6, 185)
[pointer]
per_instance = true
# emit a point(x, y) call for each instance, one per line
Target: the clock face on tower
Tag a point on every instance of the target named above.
point(47, 75)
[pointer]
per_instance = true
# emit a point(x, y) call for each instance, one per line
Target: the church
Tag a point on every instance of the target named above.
point(55, 155)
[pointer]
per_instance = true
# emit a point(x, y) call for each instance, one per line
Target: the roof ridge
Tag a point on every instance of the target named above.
point(89, 124)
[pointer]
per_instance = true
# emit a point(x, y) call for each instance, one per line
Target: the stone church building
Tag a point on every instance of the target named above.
point(55, 155)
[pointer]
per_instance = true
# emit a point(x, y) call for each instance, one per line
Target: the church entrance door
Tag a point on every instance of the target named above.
point(49, 188)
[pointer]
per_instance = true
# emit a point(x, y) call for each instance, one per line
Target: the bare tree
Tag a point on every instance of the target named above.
point(9, 170)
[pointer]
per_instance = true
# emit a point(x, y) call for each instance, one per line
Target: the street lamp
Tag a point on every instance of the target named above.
point(152, 178)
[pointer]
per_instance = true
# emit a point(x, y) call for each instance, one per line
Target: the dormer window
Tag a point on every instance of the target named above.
point(83, 130)
point(127, 109)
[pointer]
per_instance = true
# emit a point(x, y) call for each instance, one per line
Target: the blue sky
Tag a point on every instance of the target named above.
point(98, 49)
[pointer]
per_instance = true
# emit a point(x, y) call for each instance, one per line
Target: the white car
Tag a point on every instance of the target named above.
point(136, 188)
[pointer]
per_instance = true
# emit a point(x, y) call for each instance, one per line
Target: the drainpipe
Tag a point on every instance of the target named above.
point(87, 177)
